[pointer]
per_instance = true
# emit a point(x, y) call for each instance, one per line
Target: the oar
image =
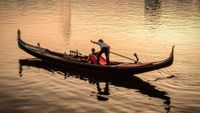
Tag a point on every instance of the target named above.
point(126, 57)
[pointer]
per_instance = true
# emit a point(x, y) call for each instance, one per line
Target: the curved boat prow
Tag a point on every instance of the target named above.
point(172, 53)
point(19, 38)
point(20, 42)
point(170, 59)
point(18, 33)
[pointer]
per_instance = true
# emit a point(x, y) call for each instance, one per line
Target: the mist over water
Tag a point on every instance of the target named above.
point(147, 27)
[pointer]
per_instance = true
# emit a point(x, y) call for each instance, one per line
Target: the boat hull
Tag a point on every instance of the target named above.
point(58, 59)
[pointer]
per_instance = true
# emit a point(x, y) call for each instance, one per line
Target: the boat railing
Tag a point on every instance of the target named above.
point(75, 53)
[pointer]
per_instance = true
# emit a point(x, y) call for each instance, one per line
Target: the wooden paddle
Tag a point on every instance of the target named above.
point(127, 57)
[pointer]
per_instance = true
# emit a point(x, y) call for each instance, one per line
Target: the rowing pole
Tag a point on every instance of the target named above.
point(126, 57)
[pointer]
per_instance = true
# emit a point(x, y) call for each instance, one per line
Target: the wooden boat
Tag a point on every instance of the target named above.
point(80, 62)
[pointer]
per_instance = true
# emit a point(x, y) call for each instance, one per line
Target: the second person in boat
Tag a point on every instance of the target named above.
point(105, 48)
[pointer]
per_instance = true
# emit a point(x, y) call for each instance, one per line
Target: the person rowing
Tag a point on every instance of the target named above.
point(105, 48)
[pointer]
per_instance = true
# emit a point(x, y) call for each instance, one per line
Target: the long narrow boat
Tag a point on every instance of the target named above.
point(80, 62)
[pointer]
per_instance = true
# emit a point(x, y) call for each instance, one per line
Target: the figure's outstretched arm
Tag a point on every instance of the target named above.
point(93, 42)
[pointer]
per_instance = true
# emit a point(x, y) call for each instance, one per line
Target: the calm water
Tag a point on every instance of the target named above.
point(147, 27)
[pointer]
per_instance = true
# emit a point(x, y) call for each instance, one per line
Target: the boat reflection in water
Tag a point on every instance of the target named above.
point(130, 82)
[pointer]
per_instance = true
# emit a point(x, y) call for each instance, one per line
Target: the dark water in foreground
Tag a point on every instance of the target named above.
point(148, 27)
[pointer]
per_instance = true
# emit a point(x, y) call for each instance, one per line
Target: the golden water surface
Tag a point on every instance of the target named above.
point(148, 27)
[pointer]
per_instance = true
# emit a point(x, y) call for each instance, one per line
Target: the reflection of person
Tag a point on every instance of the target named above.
point(104, 49)
point(103, 95)
point(106, 89)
